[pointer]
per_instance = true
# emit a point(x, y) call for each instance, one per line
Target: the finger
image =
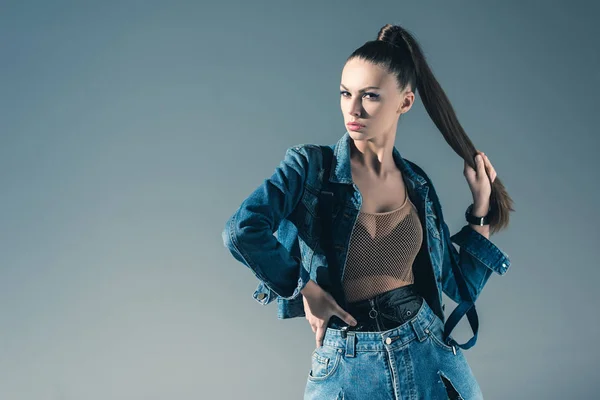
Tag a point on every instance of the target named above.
point(467, 167)
point(480, 165)
point(490, 167)
point(345, 316)
point(320, 334)
point(469, 172)
point(484, 164)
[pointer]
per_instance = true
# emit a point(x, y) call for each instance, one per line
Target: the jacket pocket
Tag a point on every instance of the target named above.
point(305, 216)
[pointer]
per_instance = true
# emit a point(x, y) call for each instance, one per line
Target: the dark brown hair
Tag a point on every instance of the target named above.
point(398, 52)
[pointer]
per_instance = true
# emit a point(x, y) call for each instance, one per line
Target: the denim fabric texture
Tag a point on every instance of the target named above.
point(275, 233)
point(409, 361)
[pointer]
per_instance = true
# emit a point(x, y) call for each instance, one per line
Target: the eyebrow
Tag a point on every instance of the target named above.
point(362, 90)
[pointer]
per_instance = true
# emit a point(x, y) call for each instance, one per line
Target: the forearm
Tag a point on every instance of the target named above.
point(477, 258)
point(269, 260)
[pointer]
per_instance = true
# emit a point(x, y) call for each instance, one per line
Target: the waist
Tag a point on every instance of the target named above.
point(395, 305)
point(387, 299)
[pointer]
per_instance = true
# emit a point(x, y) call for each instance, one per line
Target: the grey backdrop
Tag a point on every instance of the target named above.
point(130, 132)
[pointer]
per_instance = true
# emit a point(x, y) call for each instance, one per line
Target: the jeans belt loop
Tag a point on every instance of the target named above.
point(416, 324)
point(350, 343)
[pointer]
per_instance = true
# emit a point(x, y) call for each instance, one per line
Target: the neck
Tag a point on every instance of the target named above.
point(374, 155)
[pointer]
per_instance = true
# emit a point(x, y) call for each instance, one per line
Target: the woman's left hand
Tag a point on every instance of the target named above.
point(480, 180)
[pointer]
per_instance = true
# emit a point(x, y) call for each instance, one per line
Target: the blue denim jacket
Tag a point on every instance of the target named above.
point(275, 232)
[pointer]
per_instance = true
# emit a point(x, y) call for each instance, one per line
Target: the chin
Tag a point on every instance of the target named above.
point(356, 134)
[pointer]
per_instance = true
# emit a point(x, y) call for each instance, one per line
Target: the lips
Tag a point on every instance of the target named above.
point(354, 124)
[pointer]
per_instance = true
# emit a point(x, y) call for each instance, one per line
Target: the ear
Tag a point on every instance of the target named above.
point(406, 103)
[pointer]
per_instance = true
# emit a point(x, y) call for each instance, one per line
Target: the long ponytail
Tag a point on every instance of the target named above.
point(398, 51)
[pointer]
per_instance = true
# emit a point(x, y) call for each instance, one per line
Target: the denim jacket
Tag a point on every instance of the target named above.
point(275, 232)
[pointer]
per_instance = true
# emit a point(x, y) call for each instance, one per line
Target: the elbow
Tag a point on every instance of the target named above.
point(227, 235)
point(225, 238)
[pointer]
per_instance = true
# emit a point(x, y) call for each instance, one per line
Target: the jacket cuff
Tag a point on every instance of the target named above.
point(482, 249)
point(264, 294)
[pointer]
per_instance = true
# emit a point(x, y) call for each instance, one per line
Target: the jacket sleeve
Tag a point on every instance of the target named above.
point(248, 233)
point(477, 258)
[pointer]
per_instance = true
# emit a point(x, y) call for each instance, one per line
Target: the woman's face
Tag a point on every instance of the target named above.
point(369, 95)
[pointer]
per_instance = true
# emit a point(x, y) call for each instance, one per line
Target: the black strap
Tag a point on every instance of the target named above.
point(326, 202)
point(467, 305)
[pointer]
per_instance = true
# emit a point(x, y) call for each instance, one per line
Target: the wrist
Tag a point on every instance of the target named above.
point(477, 216)
point(480, 209)
point(308, 288)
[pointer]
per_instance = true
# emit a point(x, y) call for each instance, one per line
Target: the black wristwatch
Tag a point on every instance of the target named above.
point(476, 220)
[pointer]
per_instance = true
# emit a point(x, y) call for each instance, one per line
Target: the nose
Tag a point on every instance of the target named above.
point(352, 108)
point(355, 108)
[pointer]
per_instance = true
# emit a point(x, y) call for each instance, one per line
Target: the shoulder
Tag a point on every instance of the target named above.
point(306, 160)
point(312, 152)
point(418, 170)
point(306, 148)
point(432, 192)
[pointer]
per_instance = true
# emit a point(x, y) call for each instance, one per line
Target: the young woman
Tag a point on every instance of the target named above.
point(379, 322)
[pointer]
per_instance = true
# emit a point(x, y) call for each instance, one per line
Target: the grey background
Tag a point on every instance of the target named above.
point(131, 130)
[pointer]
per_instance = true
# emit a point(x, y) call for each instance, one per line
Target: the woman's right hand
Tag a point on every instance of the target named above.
point(319, 306)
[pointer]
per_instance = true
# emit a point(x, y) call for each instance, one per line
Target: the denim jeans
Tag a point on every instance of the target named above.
point(395, 352)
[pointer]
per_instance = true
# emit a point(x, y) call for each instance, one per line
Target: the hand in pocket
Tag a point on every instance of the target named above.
point(319, 306)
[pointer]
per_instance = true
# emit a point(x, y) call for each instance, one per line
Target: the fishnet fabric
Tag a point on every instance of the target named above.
point(383, 247)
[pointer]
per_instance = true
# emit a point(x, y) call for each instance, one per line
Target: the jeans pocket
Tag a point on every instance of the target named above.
point(325, 360)
point(436, 334)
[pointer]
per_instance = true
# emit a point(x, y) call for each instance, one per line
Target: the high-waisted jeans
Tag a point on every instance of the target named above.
point(396, 351)
point(384, 311)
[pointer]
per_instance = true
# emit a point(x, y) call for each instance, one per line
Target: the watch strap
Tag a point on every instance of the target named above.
point(472, 219)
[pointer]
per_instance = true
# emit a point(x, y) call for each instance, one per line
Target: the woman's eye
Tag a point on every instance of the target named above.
point(371, 95)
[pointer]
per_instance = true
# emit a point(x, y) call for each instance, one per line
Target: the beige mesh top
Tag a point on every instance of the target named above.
point(382, 249)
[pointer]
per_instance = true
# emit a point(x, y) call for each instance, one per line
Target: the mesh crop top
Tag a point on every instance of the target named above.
point(382, 249)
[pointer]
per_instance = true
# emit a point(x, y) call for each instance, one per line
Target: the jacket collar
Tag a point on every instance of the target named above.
point(342, 172)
